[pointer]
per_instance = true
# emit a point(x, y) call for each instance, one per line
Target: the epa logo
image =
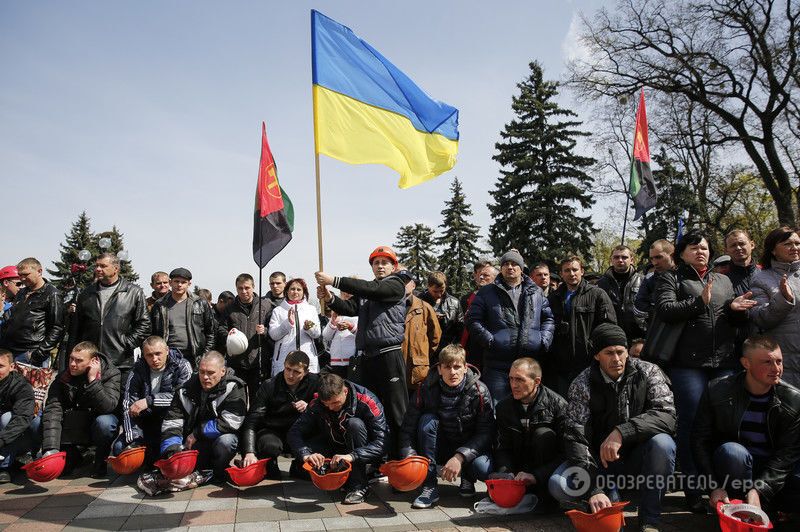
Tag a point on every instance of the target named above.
point(577, 481)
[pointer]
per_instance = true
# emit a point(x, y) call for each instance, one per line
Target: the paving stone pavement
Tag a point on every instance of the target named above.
point(82, 503)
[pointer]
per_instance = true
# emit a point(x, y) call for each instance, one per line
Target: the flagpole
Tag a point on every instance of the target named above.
point(625, 220)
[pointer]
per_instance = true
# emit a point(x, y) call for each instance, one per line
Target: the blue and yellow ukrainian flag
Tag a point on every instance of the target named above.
point(366, 111)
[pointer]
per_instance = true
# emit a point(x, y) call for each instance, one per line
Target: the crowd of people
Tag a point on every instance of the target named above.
point(579, 389)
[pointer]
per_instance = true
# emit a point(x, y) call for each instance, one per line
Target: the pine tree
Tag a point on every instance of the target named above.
point(126, 270)
point(459, 241)
point(543, 182)
point(415, 250)
point(80, 237)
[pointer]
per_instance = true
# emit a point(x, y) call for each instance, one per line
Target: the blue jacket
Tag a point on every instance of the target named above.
point(506, 333)
point(176, 372)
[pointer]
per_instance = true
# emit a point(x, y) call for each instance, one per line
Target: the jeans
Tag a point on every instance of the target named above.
point(438, 449)
point(497, 382)
point(103, 430)
point(734, 468)
point(355, 436)
point(25, 358)
point(654, 458)
point(27, 441)
point(216, 453)
point(688, 385)
point(270, 444)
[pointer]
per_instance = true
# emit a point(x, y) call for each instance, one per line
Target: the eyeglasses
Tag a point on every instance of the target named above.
point(18, 283)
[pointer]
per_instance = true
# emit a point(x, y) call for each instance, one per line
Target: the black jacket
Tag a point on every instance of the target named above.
point(36, 323)
point(719, 416)
point(641, 406)
point(591, 306)
point(318, 421)
point(709, 331)
point(623, 297)
point(206, 415)
point(514, 438)
point(122, 328)
point(473, 428)
point(137, 386)
point(380, 307)
point(68, 393)
point(237, 316)
point(272, 408)
point(451, 318)
point(16, 396)
point(200, 323)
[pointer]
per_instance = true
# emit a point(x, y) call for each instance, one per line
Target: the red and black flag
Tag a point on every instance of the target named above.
point(274, 215)
point(641, 187)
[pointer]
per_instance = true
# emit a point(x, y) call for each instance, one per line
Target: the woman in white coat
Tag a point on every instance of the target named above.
point(293, 326)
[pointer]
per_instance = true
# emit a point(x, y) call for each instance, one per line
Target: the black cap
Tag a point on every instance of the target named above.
point(181, 272)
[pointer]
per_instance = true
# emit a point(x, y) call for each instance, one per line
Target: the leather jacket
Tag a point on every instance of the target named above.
point(719, 417)
point(200, 325)
point(35, 324)
point(451, 319)
point(121, 328)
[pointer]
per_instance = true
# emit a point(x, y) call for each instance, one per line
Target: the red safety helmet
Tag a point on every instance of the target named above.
point(128, 461)
point(505, 493)
point(739, 517)
point(609, 519)
point(178, 465)
point(407, 474)
point(9, 272)
point(330, 481)
point(46, 468)
point(383, 251)
point(249, 475)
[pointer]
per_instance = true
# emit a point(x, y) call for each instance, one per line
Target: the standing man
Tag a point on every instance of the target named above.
point(111, 313)
point(381, 309)
point(447, 308)
point(183, 319)
point(246, 315)
point(578, 308)
point(277, 283)
point(9, 286)
point(483, 273)
point(36, 326)
point(159, 282)
point(422, 337)
point(621, 282)
point(540, 275)
point(661, 258)
point(740, 270)
point(510, 318)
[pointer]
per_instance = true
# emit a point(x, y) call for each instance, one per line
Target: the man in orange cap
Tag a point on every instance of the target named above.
point(381, 309)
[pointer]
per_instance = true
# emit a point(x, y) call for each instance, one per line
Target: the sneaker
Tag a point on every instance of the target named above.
point(357, 496)
point(467, 488)
point(376, 476)
point(5, 476)
point(649, 527)
point(427, 498)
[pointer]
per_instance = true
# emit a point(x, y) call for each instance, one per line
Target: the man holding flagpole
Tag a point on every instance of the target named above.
point(381, 309)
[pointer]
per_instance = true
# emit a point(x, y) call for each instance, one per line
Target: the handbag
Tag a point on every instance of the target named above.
point(662, 341)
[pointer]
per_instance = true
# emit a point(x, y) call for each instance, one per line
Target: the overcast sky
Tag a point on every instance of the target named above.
point(147, 115)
